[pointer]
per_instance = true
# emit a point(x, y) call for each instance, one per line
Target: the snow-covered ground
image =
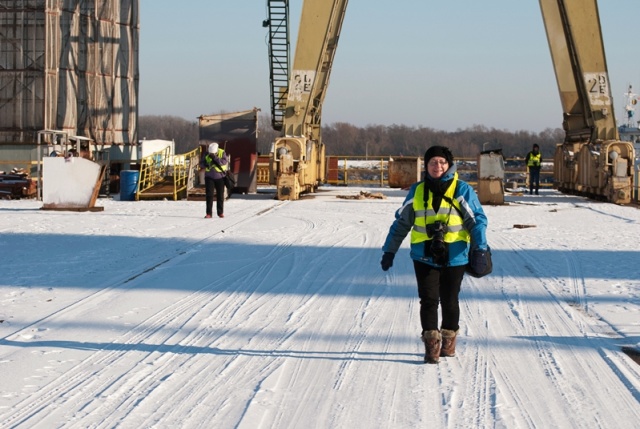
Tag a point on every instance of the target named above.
point(279, 316)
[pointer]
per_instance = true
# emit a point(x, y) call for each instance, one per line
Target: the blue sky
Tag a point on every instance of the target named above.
point(439, 64)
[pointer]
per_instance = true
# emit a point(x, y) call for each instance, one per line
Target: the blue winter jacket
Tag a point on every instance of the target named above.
point(474, 221)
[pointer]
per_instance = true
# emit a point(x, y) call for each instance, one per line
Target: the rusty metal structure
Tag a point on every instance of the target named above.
point(69, 65)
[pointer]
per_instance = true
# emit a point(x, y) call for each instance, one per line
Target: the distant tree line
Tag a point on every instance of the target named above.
point(402, 140)
point(183, 132)
point(342, 138)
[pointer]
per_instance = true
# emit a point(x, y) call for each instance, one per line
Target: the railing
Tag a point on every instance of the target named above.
point(153, 169)
point(185, 169)
point(27, 165)
point(262, 170)
point(164, 175)
point(357, 170)
point(373, 171)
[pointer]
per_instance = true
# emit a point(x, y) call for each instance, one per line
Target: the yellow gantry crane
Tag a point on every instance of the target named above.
point(592, 160)
point(297, 161)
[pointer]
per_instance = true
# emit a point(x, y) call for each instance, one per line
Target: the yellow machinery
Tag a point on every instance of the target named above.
point(297, 161)
point(164, 175)
point(592, 160)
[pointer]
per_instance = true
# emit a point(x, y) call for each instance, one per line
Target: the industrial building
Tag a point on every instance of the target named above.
point(69, 66)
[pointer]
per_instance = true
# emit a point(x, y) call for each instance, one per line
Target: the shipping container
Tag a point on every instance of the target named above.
point(237, 134)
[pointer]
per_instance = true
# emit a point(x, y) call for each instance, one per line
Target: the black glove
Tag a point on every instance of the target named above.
point(387, 260)
point(480, 263)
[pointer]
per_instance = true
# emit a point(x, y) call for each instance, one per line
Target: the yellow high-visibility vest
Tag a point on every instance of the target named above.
point(447, 214)
point(534, 160)
point(210, 164)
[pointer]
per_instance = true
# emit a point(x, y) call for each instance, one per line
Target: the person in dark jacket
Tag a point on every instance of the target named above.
point(534, 162)
point(215, 164)
point(444, 218)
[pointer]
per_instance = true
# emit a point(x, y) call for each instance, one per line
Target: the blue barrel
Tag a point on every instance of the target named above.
point(128, 184)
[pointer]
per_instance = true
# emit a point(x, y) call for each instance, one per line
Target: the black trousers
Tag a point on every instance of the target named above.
point(534, 180)
point(439, 286)
point(217, 185)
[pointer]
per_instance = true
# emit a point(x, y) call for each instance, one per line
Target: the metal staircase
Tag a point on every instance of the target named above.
point(278, 24)
point(165, 176)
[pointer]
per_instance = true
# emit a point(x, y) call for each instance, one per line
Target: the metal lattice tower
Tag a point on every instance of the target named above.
point(278, 24)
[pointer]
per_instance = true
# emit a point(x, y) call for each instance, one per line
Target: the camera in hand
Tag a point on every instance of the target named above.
point(437, 230)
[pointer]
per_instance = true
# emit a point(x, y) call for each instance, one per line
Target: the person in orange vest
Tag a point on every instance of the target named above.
point(534, 162)
point(215, 163)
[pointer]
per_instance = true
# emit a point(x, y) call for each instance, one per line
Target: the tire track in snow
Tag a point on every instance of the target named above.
point(161, 259)
point(302, 318)
point(540, 320)
point(77, 379)
point(545, 323)
point(492, 379)
point(322, 335)
point(247, 311)
point(242, 307)
point(595, 337)
point(472, 402)
point(84, 381)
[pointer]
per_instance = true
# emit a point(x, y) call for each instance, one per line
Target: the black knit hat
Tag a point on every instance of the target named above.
point(442, 151)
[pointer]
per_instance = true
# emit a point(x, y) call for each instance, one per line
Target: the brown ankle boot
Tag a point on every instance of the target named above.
point(448, 343)
point(432, 343)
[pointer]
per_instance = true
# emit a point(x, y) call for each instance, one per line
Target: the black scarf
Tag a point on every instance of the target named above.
point(437, 187)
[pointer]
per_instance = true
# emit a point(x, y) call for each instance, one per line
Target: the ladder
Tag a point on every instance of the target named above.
point(278, 24)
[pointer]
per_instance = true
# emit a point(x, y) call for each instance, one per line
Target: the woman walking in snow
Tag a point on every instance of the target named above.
point(448, 232)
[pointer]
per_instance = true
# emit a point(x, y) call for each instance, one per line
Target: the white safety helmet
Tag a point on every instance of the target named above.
point(213, 148)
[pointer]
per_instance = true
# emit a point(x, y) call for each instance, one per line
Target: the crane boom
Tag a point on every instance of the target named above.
point(591, 161)
point(320, 25)
point(297, 158)
point(577, 50)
